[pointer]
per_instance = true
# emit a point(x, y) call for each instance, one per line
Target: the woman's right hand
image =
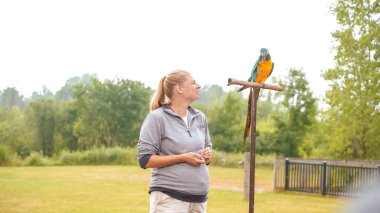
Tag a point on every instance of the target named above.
point(193, 158)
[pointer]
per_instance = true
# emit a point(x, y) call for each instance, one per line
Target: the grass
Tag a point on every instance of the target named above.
point(124, 189)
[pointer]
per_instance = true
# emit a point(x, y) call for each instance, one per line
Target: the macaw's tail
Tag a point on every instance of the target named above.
point(257, 93)
point(249, 113)
point(248, 120)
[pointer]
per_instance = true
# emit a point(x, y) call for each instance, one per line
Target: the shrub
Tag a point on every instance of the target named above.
point(99, 156)
point(236, 160)
point(36, 159)
point(5, 159)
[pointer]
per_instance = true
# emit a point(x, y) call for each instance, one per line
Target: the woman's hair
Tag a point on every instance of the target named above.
point(166, 87)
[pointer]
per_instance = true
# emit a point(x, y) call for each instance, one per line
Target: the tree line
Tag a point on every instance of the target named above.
point(88, 113)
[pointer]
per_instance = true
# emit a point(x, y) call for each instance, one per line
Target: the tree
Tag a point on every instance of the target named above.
point(225, 123)
point(10, 97)
point(67, 115)
point(209, 97)
point(267, 110)
point(110, 113)
point(41, 115)
point(66, 92)
point(46, 94)
point(14, 132)
point(211, 94)
point(354, 113)
point(300, 111)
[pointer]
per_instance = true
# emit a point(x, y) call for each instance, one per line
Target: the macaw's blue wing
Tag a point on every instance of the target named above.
point(271, 70)
point(254, 70)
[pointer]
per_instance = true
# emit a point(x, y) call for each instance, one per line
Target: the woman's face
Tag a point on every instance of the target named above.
point(191, 89)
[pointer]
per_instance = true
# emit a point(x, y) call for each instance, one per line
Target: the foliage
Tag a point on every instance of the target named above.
point(353, 118)
point(4, 155)
point(36, 159)
point(116, 156)
point(10, 98)
point(225, 123)
point(14, 132)
point(110, 113)
point(301, 109)
point(99, 156)
point(236, 160)
point(41, 116)
point(267, 111)
point(66, 118)
point(66, 92)
point(211, 94)
point(46, 93)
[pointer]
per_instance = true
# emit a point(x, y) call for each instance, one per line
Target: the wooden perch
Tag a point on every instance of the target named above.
point(247, 84)
point(251, 125)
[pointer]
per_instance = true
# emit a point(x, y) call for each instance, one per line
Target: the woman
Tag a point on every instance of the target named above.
point(175, 142)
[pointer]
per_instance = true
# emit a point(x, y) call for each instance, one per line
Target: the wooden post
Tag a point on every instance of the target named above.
point(253, 151)
point(246, 175)
point(324, 179)
point(286, 174)
point(253, 86)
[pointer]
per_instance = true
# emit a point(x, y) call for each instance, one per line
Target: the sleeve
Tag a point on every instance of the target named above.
point(149, 140)
point(207, 134)
point(207, 137)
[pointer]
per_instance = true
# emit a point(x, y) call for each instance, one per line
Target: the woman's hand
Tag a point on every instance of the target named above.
point(193, 158)
point(207, 154)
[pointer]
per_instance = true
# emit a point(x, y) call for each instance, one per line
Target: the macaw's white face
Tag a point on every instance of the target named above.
point(264, 56)
point(190, 89)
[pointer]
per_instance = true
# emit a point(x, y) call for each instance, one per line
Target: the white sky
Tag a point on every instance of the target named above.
point(48, 42)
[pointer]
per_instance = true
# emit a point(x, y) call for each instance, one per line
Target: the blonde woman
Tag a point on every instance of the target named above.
point(174, 141)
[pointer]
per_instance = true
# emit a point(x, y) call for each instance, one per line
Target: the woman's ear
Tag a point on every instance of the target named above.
point(179, 89)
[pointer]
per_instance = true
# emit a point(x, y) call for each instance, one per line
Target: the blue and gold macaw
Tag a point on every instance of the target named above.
point(261, 71)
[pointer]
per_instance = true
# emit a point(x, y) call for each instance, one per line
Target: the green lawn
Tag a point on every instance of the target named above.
point(124, 189)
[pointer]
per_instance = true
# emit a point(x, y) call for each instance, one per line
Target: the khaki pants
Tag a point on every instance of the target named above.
point(162, 203)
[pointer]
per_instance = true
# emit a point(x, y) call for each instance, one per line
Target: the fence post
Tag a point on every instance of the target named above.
point(246, 175)
point(378, 174)
point(324, 178)
point(286, 174)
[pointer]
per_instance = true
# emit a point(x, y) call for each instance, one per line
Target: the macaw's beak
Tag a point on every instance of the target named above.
point(263, 56)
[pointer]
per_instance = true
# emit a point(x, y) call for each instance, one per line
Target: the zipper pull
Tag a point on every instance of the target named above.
point(189, 132)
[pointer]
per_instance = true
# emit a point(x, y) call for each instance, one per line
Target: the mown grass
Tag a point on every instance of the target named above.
point(124, 189)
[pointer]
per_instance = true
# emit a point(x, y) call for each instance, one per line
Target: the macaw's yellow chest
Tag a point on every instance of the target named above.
point(264, 68)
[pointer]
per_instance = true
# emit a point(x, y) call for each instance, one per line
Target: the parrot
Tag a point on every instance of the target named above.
point(262, 69)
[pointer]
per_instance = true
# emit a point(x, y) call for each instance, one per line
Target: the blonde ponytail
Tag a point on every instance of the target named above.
point(166, 86)
point(159, 98)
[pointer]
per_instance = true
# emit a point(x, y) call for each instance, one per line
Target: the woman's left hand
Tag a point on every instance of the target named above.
point(207, 154)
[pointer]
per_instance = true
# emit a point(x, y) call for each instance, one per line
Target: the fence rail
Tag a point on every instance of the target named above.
point(324, 178)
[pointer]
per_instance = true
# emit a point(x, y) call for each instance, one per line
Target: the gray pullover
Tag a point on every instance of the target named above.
point(165, 133)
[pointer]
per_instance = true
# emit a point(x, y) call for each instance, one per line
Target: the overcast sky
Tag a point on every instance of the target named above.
point(48, 42)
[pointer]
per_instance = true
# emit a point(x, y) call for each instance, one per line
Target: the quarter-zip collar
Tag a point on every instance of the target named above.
point(192, 113)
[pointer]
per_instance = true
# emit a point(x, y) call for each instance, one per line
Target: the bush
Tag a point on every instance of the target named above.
point(68, 158)
point(99, 156)
point(5, 158)
point(236, 160)
point(117, 156)
point(36, 159)
point(224, 159)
